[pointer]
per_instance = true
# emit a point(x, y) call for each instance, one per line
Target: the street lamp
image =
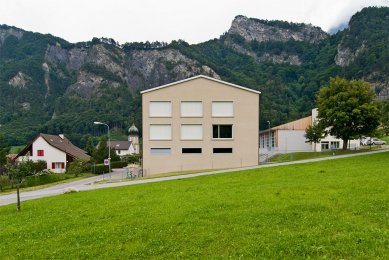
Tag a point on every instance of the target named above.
point(109, 148)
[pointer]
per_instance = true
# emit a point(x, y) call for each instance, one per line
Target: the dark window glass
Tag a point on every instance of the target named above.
point(222, 150)
point(222, 131)
point(191, 150)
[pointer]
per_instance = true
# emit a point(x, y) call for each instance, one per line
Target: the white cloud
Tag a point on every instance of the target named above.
point(193, 21)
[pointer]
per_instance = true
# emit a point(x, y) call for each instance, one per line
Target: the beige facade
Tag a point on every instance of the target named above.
point(199, 123)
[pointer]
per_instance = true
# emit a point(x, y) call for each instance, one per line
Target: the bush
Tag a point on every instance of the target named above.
point(115, 165)
point(100, 169)
point(78, 166)
point(44, 179)
point(5, 182)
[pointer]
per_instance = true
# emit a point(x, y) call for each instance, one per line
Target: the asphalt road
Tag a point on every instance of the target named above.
point(89, 183)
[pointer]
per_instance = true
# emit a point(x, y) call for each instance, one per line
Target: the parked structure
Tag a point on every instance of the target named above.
point(290, 137)
point(199, 123)
point(56, 150)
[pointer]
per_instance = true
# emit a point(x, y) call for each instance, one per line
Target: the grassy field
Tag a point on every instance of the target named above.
point(287, 157)
point(332, 209)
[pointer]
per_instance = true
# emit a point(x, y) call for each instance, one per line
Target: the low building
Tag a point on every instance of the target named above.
point(123, 148)
point(290, 137)
point(56, 150)
point(199, 123)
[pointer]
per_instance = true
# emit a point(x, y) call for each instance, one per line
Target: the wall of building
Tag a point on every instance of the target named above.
point(51, 155)
point(245, 123)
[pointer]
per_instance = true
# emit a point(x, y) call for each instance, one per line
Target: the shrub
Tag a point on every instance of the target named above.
point(100, 168)
point(78, 166)
point(5, 182)
point(115, 165)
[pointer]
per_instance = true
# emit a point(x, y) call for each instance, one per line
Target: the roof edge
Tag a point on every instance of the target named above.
point(196, 77)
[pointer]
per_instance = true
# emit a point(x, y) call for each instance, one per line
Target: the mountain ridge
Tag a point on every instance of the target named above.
point(42, 75)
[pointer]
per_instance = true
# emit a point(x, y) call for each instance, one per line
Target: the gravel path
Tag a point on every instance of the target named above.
point(89, 183)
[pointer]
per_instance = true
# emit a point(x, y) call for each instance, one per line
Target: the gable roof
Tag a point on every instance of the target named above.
point(197, 77)
point(61, 143)
point(121, 145)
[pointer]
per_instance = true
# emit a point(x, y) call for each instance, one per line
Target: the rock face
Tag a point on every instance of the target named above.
point(139, 69)
point(259, 30)
point(150, 68)
point(248, 30)
point(6, 32)
point(345, 56)
point(20, 80)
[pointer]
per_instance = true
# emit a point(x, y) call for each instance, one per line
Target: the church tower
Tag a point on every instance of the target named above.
point(133, 136)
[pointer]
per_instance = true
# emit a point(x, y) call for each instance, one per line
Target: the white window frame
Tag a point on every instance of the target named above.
point(183, 137)
point(160, 111)
point(216, 109)
point(182, 109)
point(222, 138)
point(152, 136)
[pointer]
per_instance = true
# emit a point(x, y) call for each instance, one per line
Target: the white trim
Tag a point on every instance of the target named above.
point(200, 76)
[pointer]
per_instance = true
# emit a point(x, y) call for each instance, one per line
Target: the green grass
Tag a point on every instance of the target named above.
point(287, 157)
point(334, 209)
point(386, 139)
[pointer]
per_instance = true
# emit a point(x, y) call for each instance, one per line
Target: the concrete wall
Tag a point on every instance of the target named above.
point(245, 123)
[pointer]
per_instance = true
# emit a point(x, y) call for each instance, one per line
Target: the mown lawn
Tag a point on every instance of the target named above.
point(332, 209)
point(287, 157)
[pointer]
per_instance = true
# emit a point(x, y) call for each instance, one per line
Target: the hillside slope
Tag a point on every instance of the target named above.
point(50, 85)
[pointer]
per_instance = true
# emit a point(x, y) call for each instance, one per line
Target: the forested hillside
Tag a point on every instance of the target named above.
point(50, 85)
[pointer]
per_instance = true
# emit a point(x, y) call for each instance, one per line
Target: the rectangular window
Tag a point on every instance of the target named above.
point(191, 109)
point(222, 150)
point(58, 165)
point(191, 150)
point(222, 131)
point(334, 145)
point(160, 132)
point(222, 109)
point(41, 153)
point(191, 132)
point(160, 109)
point(160, 151)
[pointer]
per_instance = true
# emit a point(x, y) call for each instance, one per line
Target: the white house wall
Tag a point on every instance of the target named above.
point(51, 154)
point(290, 141)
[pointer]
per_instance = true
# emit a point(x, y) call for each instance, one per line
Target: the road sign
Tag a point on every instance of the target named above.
point(106, 162)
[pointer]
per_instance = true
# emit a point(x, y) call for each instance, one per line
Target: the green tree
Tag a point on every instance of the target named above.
point(18, 172)
point(314, 133)
point(3, 150)
point(385, 117)
point(90, 147)
point(348, 108)
point(101, 152)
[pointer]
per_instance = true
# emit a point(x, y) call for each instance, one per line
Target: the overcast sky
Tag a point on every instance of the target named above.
point(166, 20)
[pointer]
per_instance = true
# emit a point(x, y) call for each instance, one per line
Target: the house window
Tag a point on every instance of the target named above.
point(191, 150)
point(222, 109)
point(325, 146)
point(41, 153)
point(191, 132)
point(160, 132)
point(160, 109)
point(334, 145)
point(222, 150)
point(222, 131)
point(191, 109)
point(58, 165)
point(160, 151)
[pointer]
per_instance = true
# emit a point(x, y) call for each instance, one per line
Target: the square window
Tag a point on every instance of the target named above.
point(160, 109)
point(222, 131)
point(41, 153)
point(222, 109)
point(191, 109)
point(191, 132)
point(160, 132)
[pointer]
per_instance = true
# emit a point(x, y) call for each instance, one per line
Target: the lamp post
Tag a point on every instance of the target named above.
point(109, 149)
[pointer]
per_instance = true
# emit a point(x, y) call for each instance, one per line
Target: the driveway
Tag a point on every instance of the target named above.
point(89, 183)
